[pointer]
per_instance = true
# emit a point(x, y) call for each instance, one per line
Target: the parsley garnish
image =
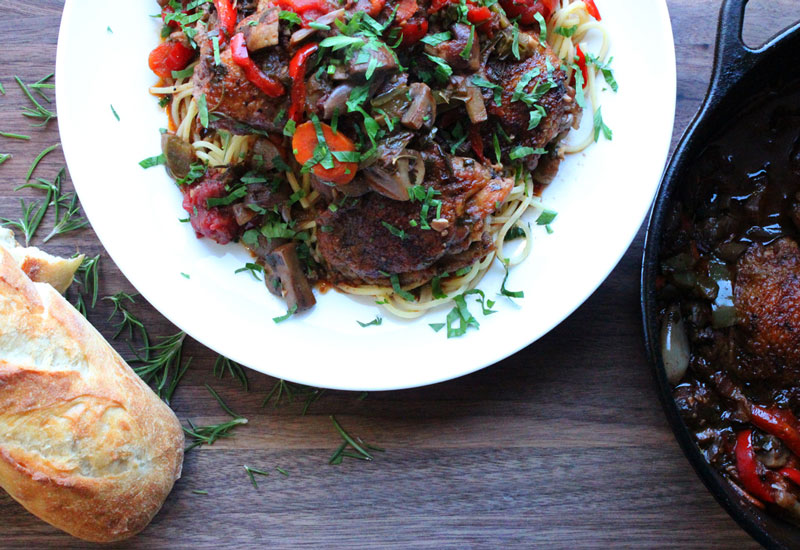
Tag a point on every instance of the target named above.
point(375, 322)
point(394, 231)
point(510, 293)
point(202, 110)
point(600, 126)
point(153, 161)
point(521, 152)
point(291, 311)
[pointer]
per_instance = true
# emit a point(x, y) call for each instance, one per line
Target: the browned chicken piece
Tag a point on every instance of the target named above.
point(360, 242)
point(230, 94)
point(559, 102)
point(767, 298)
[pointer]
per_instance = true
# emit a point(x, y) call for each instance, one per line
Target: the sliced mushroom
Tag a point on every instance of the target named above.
point(179, 155)
point(337, 99)
point(263, 153)
point(242, 213)
point(393, 179)
point(422, 111)
point(380, 57)
point(476, 109)
point(261, 29)
point(284, 276)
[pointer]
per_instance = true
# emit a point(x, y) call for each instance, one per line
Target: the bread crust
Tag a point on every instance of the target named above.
point(84, 444)
point(40, 266)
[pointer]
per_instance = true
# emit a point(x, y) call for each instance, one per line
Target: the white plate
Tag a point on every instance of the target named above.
point(601, 196)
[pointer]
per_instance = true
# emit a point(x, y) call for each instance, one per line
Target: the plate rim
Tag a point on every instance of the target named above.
point(664, 24)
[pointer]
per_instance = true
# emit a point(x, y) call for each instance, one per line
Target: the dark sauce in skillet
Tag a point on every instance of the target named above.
point(729, 292)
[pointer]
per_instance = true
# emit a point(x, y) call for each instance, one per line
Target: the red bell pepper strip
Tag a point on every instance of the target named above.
point(241, 57)
point(580, 58)
point(780, 423)
point(478, 14)
point(297, 70)
point(309, 10)
point(413, 31)
point(227, 16)
point(791, 474)
point(476, 141)
point(172, 55)
point(591, 8)
point(405, 10)
point(747, 467)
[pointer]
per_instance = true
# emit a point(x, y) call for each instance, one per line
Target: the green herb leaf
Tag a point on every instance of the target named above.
point(202, 110)
point(521, 152)
point(288, 314)
point(153, 161)
point(375, 322)
point(600, 126)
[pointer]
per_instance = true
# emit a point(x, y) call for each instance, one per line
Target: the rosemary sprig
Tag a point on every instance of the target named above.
point(356, 444)
point(38, 111)
point(80, 305)
point(128, 320)
point(250, 471)
point(32, 215)
point(15, 136)
point(4, 157)
point(281, 388)
point(282, 471)
point(223, 365)
point(91, 278)
point(207, 435)
point(38, 159)
point(163, 365)
point(313, 395)
point(70, 220)
point(42, 83)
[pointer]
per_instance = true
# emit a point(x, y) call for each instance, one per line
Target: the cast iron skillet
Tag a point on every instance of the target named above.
point(739, 73)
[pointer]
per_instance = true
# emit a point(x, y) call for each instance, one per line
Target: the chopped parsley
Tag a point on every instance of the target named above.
point(291, 17)
point(153, 161)
point(521, 152)
point(600, 126)
point(288, 314)
point(374, 323)
point(546, 217)
point(509, 293)
point(394, 230)
point(202, 110)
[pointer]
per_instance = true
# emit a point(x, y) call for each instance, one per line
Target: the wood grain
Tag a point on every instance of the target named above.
point(562, 445)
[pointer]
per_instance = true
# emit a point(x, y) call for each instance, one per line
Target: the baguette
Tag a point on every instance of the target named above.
point(84, 444)
point(40, 266)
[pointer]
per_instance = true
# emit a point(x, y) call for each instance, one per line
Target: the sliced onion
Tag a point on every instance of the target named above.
point(675, 349)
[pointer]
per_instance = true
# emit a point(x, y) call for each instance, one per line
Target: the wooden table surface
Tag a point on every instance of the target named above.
point(562, 445)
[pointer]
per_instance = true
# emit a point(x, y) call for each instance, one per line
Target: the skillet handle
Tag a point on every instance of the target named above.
point(733, 58)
